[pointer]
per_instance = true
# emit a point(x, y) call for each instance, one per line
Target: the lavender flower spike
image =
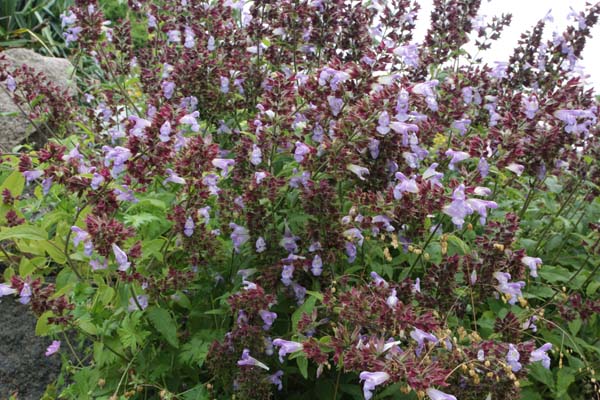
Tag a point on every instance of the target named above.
point(286, 347)
point(372, 379)
point(250, 361)
point(435, 394)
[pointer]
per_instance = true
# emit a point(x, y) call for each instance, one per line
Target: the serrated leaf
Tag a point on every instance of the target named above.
point(164, 323)
point(138, 220)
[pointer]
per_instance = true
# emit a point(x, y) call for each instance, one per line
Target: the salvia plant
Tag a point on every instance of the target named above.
point(294, 200)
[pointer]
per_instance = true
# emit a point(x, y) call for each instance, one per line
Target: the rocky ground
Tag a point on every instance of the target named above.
point(24, 369)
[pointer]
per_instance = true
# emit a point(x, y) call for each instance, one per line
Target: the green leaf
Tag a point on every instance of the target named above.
point(164, 323)
point(564, 379)
point(42, 328)
point(15, 182)
point(194, 352)
point(196, 393)
point(553, 274)
point(138, 220)
point(457, 246)
point(54, 252)
point(306, 307)
point(29, 232)
point(302, 365)
point(541, 374)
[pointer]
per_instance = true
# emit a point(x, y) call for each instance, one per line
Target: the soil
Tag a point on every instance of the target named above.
point(24, 369)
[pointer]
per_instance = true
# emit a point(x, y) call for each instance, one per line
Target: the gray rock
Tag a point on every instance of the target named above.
point(14, 126)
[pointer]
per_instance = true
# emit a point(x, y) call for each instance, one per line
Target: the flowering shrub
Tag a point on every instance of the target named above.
point(294, 200)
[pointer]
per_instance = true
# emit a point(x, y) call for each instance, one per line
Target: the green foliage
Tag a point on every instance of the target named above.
point(33, 23)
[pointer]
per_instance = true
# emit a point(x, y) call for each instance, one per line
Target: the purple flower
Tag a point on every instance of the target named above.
point(461, 125)
point(46, 185)
point(431, 174)
point(72, 34)
point(358, 171)
point(6, 290)
point(299, 292)
point(373, 147)
point(350, 251)
point(483, 167)
point(383, 222)
point(224, 84)
point(275, 379)
point(540, 354)
point(512, 358)
point(287, 274)
point(119, 156)
point(239, 236)
point(416, 287)
point(140, 125)
point(426, 89)
point(188, 228)
point(409, 54)
point(224, 164)
point(516, 168)
point(421, 337)
point(405, 185)
point(67, 18)
point(261, 245)
point(480, 207)
point(459, 208)
point(435, 394)
point(190, 38)
point(168, 89)
point(499, 71)
point(512, 289)
point(250, 361)
point(210, 45)
point(372, 379)
point(165, 132)
point(152, 23)
point(80, 235)
point(53, 348)
point(125, 194)
point(383, 126)
point(25, 294)
point(317, 265)
point(268, 318)
point(255, 155)
point(142, 300)
point(456, 157)
point(335, 104)
point(532, 263)
point(530, 106)
point(288, 242)
point(301, 151)
point(31, 176)
point(97, 180)
point(378, 280)
point(120, 258)
point(467, 94)
point(530, 323)
point(191, 120)
point(173, 36)
point(286, 347)
point(11, 84)
point(97, 265)
point(392, 299)
point(210, 181)
point(173, 177)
